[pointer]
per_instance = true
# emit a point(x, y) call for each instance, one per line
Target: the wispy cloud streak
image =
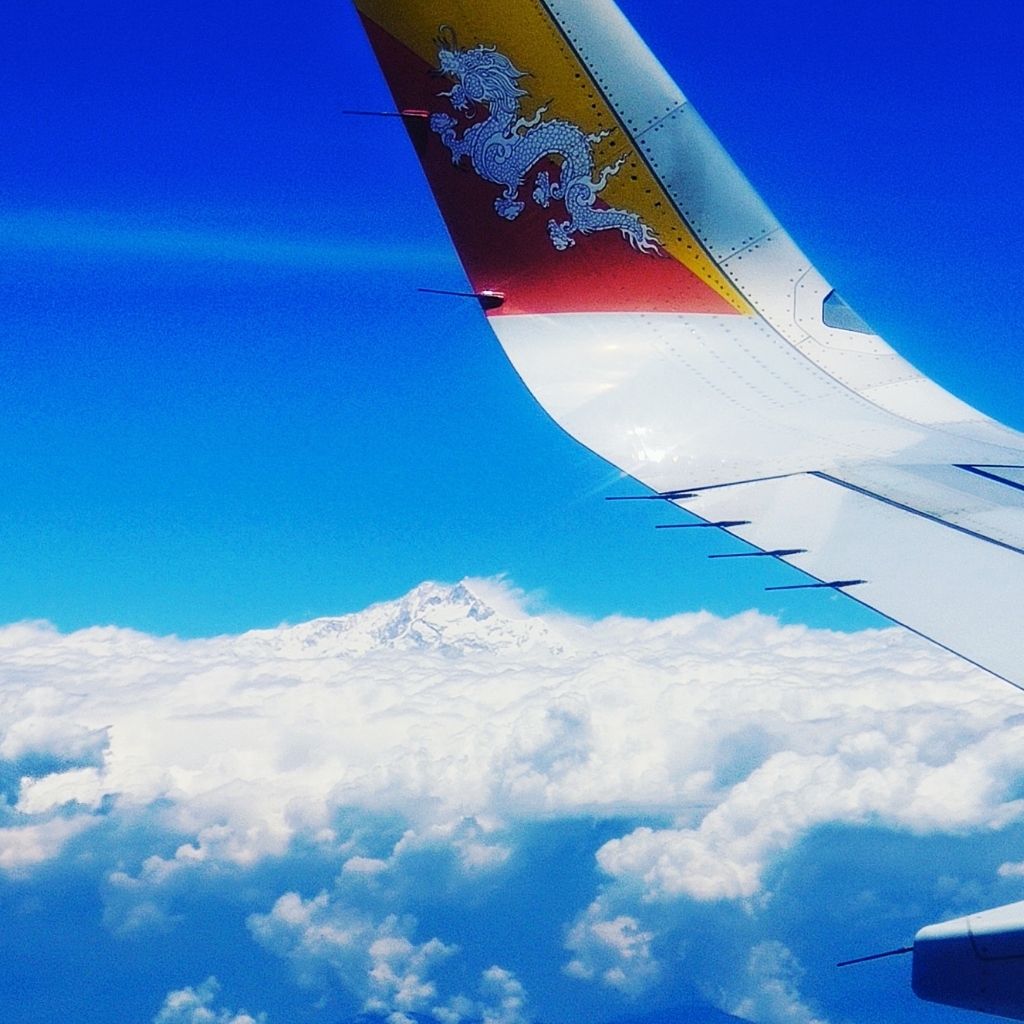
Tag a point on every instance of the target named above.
point(111, 235)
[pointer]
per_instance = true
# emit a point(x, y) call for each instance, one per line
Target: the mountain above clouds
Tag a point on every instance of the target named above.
point(454, 620)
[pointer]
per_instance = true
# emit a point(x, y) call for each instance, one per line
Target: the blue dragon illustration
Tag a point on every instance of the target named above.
point(506, 146)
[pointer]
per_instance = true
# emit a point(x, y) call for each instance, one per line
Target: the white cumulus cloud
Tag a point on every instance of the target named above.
point(24, 847)
point(377, 959)
point(195, 1006)
point(381, 961)
point(772, 978)
point(613, 948)
point(460, 719)
point(454, 704)
point(505, 997)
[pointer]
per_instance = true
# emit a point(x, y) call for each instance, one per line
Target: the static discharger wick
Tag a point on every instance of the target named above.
point(833, 585)
point(725, 524)
point(488, 300)
point(876, 956)
point(422, 114)
point(663, 496)
point(778, 553)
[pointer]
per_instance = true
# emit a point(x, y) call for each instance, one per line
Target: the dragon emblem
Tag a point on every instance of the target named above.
point(505, 147)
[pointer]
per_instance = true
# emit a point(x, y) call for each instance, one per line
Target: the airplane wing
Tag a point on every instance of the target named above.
point(662, 316)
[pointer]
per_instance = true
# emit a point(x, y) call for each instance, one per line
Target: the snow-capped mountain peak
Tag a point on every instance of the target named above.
point(476, 616)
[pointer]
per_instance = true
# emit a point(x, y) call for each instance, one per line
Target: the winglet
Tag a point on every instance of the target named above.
point(546, 193)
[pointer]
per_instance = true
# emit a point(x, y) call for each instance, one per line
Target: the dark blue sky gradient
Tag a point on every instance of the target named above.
point(223, 402)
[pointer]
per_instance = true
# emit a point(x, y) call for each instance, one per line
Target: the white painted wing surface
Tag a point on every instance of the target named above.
point(884, 476)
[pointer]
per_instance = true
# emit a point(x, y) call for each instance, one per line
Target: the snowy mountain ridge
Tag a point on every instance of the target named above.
point(470, 617)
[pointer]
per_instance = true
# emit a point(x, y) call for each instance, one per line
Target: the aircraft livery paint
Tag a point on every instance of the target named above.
point(507, 146)
point(537, 179)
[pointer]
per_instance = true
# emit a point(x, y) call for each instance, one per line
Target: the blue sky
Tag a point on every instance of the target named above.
point(225, 405)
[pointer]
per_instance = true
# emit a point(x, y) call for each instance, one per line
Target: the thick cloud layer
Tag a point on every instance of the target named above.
point(457, 717)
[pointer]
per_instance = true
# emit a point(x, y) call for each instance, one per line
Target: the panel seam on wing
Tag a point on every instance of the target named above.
point(931, 517)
